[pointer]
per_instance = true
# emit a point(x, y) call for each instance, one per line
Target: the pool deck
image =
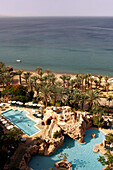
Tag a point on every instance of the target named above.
point(29, 115)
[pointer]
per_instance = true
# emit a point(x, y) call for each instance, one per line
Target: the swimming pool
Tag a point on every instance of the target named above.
point(18, 118)
point(82, 156)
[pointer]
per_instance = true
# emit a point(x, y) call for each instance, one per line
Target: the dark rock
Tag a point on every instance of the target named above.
point(9, 68)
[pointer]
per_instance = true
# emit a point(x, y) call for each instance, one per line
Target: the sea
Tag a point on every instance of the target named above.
point(62, 44)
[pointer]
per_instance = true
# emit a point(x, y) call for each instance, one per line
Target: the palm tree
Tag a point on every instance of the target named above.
point(34, 78)
point(2, 67)
point(74, 98)
point(109, 98)
point(93, 97)
point(83, 99)
point(98, 120)
point(63, 78)
point(40, 71)
point(89, 76)
point(30, 83)
point(109, 138)
point(96, 83)
point(37, 88)
point(55, 93)
point(2, 80)
point(19, 72)
point(82, 81)
point(78, 81)
point(26, 77)
point(107, 87)
point(108, 161)
point(72, 83)
point(106, 80)
point(48, 71)
point(85, 77)
point(91, 81)
point(7, 78)
point(45, 92)
point(51, 79)
point(100, 78)
point(68, 79)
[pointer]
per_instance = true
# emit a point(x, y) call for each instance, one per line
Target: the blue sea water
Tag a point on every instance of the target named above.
point(82, 156)
point(69, 44)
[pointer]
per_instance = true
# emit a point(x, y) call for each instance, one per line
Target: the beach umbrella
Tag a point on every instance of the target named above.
point(9, 102)
point(26, 104)
point(17, 102)
point(4, 122)
point(54, 108)
point(9, 127)
point(7, 124)
point(111, 145)
point(34, 104)
point(13, 102)
point(0, 118)
point(30, 104)
point(2, 104)
point(23, 139)
point(20, 103)
point(40, 105)
point(66, 107)
point(39, 115)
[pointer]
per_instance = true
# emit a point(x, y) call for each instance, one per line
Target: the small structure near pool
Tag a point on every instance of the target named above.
point(63, 165)
point(93, 135)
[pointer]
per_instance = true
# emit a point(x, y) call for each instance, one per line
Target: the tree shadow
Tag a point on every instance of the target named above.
point(68, 143)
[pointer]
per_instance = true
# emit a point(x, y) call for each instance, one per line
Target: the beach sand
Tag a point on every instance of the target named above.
point(73, 76)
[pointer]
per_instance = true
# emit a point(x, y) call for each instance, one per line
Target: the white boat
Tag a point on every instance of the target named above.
point(18, 61)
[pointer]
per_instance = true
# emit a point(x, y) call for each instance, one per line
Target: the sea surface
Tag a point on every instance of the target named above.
point(62, 44)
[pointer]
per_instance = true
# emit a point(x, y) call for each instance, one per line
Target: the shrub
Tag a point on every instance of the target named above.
point(20, 98)
point(15, 90)
point(39, 140)
point(109, 138)
point(57, 104)
point(98, 121)
point(57, 134)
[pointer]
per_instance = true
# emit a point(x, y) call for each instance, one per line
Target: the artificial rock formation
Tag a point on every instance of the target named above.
point(70, 123)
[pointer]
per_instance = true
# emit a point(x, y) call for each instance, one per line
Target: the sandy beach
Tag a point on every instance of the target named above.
point(57, 75)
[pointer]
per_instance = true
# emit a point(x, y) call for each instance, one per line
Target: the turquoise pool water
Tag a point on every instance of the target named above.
point(81, 156)
point(19, 119)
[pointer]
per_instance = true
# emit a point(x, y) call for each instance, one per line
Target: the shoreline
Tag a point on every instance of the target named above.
point(34, 71)
point(62, 73)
